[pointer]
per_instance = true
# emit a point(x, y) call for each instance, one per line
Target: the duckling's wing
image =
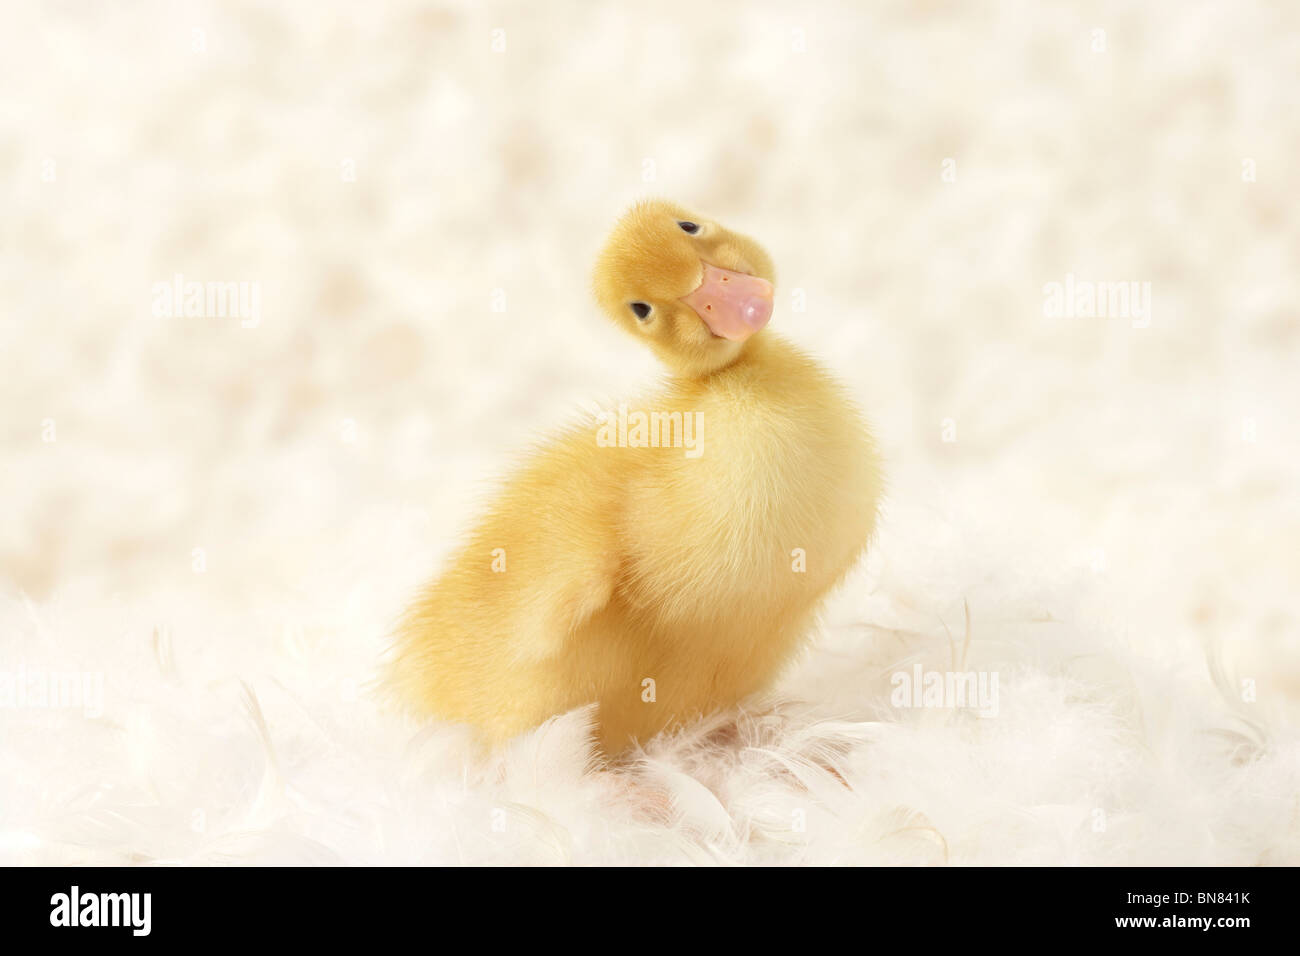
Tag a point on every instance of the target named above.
point(558, 523)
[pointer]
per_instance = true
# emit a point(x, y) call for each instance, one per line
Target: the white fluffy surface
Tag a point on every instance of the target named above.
point(1117, 517)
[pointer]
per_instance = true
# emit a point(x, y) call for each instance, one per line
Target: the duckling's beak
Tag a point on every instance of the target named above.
point(732, 304)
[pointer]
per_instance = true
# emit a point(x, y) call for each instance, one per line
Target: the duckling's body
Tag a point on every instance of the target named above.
point(658, 584)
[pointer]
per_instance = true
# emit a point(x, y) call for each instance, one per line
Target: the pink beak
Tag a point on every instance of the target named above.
point(733, 305)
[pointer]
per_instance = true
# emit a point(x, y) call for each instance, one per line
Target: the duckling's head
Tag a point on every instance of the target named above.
point(693, 290)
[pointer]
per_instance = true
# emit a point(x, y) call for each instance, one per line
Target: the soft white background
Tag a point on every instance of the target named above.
point(1126, 553)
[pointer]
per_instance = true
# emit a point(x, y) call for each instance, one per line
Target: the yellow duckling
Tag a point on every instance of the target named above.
point(669, 562)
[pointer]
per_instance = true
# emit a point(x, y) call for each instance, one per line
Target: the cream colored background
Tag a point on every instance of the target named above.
point(1115, 535)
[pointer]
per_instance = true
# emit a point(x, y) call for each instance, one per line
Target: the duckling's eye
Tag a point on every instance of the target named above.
point(691, 227)
point(641, 309)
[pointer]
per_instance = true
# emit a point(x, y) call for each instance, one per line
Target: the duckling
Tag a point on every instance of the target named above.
point(659, 582)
